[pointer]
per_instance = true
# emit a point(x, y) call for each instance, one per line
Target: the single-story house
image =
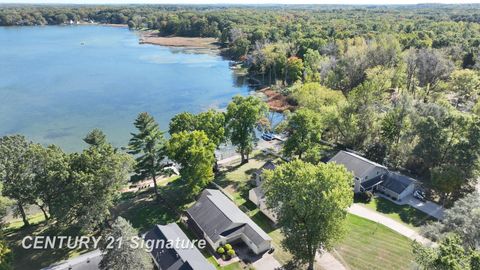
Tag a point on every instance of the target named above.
point(176, 257)
point(397, 186)
point(219, 221)
point(257, 196)
point(363, 170)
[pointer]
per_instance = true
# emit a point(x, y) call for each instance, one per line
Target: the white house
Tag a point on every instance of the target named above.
point(363, 170)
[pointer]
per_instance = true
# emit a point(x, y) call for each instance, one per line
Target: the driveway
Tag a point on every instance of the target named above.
point(263, 261)
point(267, 262)
point(428, 207)
point(404, 230)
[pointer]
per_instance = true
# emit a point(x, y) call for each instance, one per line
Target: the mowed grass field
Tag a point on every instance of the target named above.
point(369, 245)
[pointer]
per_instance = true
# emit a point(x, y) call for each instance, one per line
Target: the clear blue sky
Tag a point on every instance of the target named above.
point(382, 2)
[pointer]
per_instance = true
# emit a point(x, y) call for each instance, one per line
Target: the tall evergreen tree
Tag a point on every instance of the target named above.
point(148, 146)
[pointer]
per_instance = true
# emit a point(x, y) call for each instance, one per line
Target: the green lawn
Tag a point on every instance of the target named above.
point(403, 213)
point(369, 245)
point(235, 180)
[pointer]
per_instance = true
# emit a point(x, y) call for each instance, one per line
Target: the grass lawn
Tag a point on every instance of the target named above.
point(369, 245)
point(235, 180)
point(30, 259)
point(403, 213)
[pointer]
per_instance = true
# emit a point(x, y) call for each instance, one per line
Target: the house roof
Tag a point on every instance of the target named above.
point(218, 216)
point(358, 165)
point(397, 182)
point(373, 182)
point(269, 165)
point(182, 257)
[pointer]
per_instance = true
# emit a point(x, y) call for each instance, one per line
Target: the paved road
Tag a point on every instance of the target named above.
point(87, 261)
point(404, 230)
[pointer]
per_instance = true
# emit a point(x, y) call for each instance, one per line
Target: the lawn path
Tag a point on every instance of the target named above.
point(404, 230)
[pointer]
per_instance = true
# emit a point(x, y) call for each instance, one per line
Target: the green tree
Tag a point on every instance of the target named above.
point(243, 113)
point(294, 69)
point(311, 203)
point(96, 176)
point(312, 61)
point(16, 173)
point(450, 254)
point(51, 168)
point(184, 121)
point(465, 84)
point(6, 256)
point(305, 130)
point(127, 254)
point(211, 122)
point(95, 137)
point(462, 219)
point(148, 147)
point(195, 154)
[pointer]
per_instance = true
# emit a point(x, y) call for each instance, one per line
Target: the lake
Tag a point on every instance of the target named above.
point(59, 82)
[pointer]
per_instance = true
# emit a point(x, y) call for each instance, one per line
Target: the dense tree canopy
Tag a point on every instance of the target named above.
point(311, 204)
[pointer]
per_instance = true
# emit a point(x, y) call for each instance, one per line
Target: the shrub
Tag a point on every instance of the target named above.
point(231, 252)
point(220, 250)
point(228, 247)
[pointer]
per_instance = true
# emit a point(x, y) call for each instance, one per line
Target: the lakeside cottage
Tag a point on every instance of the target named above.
point(219, 221)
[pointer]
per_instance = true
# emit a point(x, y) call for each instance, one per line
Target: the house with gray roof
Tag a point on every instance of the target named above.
point(397, 186)
point(363, 170)
point(257, 195)
point(219, 221)
point(184, 256)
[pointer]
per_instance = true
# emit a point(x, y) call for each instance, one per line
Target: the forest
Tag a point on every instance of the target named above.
point(398, 84)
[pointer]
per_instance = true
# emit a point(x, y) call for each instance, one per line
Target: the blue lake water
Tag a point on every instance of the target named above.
point(59, 82)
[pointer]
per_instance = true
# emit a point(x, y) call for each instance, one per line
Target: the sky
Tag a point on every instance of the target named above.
point(381, 2)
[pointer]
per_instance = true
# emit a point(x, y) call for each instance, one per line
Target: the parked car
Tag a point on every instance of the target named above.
point(420, 195)
point(267, 136)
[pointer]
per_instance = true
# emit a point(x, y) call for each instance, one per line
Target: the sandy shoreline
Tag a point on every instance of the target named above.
point(150, 37)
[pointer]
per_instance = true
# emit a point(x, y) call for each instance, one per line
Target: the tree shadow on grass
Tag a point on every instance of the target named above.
point(29, 258)
point(407, 213)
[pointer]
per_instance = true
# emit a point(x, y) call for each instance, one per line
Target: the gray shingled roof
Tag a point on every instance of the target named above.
point(397, 182)
point(176, 258)
point(269, 165)
point(358, 165)
point(373, 182)
point(218, 216)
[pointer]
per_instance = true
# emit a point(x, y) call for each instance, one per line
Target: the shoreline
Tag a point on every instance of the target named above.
point(150, 37)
